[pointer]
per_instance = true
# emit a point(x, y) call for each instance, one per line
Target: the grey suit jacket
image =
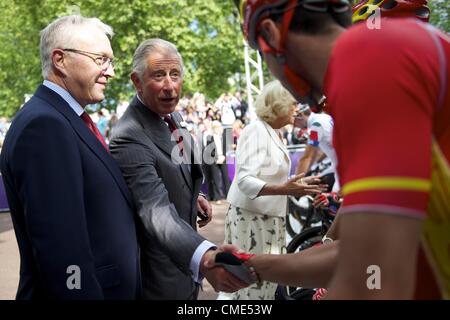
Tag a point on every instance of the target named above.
point(165, 194)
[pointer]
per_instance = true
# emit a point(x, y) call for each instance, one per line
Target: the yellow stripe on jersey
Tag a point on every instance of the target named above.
point(440, 194)
point(387, 183)
point(436, 227)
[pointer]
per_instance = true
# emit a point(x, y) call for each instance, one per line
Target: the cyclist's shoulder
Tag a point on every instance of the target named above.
point(390, 35)
point(321, 117)
point(320, 120)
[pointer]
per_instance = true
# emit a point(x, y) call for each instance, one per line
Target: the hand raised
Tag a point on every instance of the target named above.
point(300, 186)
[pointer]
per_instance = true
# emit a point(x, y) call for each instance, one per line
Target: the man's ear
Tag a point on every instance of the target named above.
point(270, 31)
point(58, 60)
point(136, 81)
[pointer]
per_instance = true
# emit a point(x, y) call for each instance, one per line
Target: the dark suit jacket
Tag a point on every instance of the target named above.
point(165, 194)
point(69, 205)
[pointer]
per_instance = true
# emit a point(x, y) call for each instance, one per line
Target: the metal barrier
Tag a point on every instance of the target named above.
point(295, 153)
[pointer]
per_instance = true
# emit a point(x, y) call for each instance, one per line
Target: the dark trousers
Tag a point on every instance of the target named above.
point(213, 189)
point(220, 180)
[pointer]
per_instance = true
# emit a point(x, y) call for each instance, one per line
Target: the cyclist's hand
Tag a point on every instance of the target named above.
point(208, 261)
point(222, 280)
point(327, 200)
point(321, 201)
point(217, 276)
point(320, 294)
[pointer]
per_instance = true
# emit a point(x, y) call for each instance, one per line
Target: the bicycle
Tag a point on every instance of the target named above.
point(306, 239)
point(300, 210)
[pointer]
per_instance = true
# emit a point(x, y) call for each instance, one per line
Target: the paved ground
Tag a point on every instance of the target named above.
point(9, 253)
point(9, 259)
point(214, 232)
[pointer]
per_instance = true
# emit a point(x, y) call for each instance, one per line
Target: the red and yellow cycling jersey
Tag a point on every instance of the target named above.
point(388, 93)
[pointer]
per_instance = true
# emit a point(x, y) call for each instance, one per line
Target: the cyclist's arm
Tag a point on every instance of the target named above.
point(333, 231)
point(320, 156)
point(361, 246)
point(311, 268)
point(307, 159)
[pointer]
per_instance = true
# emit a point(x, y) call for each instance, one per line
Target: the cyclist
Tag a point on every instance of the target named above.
point(394, 170)
point(320, 127)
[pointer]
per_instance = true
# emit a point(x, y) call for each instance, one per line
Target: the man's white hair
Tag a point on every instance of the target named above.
point(61, 33)
point(149, 46)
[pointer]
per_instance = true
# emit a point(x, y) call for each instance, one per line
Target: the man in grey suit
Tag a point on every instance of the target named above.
point(166, 192)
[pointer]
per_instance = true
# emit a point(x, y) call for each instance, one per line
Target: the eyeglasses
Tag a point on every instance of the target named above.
point(101, 60)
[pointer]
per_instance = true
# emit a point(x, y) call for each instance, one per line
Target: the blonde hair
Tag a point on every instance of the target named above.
point(274, 102)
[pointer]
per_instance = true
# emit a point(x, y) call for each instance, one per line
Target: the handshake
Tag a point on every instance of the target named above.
point(226, 269)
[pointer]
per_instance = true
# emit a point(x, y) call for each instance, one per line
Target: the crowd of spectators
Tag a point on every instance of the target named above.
point(229, 114)
point(231, 111)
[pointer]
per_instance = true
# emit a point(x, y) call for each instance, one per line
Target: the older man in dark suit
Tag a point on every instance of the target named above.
point(156, 159)
point(71, 209)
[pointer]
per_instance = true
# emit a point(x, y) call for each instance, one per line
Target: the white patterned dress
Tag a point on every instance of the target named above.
point(254, 233)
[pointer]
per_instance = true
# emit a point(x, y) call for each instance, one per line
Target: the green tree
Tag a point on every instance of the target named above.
point(19, 58)
point(205, 32)
point(440, 10)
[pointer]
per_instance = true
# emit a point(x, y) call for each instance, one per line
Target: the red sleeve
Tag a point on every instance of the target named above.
point(382, 87)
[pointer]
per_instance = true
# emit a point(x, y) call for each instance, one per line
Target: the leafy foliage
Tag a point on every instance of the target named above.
point(205, 32)
point(440, 11)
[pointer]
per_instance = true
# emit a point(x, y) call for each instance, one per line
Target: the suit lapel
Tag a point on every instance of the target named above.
point(190, 146)
point(158, 131)
point(154, 127)
point(56, 101)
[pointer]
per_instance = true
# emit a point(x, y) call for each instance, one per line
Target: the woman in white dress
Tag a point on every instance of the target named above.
point(255, 221)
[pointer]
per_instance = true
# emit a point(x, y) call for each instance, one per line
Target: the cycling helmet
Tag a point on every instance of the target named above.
point(252, 12)
point(391, 8)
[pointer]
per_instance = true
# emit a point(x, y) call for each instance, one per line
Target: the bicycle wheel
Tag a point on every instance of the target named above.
point(300, 215)
point(293, 224)
point(298, 294)
point(303, 294)
point(305, 239)
point(302, 241)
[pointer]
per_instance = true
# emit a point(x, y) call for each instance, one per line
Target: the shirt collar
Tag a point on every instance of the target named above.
point(139, 98)
point(162, 118)
point(65, 95)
